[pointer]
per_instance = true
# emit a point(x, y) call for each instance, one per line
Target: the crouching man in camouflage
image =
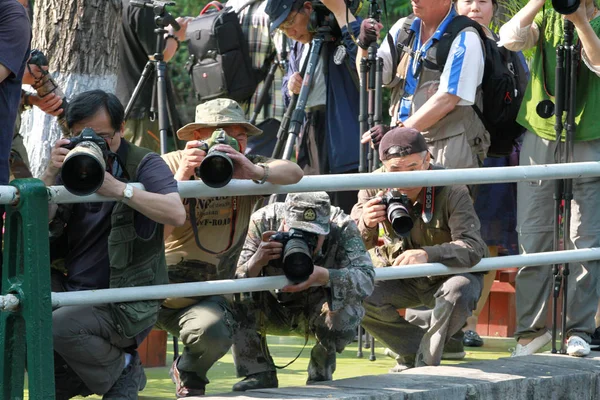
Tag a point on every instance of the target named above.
point(287, 238)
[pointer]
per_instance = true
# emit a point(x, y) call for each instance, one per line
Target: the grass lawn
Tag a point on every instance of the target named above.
point(222, 375)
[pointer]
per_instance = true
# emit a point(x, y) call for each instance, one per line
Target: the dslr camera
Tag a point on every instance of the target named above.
point(216, 170)
point(83, 170)
point(298, 247)
point(323, 18)
point(397, 209)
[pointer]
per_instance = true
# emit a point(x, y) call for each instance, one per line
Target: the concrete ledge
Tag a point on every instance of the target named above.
point(540, 376)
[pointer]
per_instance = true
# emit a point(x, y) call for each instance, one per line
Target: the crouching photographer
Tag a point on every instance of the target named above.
point(319, 249)
point(421, 224)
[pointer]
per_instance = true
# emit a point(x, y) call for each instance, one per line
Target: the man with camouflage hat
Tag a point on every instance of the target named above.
point(327, 304)
point(208, 245)
point(432, 224)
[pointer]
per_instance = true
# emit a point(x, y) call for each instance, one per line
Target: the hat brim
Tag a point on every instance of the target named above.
point(187, 132)
point(275, 24)
point(309, 227)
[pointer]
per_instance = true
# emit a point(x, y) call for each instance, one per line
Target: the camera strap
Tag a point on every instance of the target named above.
point(428, 204)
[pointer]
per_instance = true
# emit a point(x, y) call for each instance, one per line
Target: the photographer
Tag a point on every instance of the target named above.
point(329, 141)
point(330, 312)
point(435, 102)
point(109, 244)
point(137, 44)
point(446, 230)
point(208, 245)
point(543, 28)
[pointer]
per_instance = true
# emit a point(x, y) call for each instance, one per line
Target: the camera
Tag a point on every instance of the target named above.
point(45, 84)
point(298, 247)
point(83, 170)
point(216, 170)
point(322, 17)
point(565, 7)
point(397, 209)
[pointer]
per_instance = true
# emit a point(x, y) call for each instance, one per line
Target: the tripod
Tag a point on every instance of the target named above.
point(156, 66)
point(567, 60)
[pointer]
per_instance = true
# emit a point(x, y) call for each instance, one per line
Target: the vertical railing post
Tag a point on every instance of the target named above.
point(26, 334)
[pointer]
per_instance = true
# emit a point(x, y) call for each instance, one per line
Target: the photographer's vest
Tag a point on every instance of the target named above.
point(461, 120)
point(134, 261)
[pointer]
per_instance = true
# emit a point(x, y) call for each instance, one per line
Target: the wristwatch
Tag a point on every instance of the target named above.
point(128, 192)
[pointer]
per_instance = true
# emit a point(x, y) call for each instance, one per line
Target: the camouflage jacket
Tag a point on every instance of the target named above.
point(344, 254)
point(451, 237)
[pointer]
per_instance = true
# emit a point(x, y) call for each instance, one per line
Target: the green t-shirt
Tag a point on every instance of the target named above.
point(588, 84)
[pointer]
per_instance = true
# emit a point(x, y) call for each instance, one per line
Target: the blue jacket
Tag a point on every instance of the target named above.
point(343, 133)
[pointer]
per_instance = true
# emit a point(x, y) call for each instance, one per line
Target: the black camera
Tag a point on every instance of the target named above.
point(83, 170)
point(397, 208)
point(322, 17)
point(565, 7)
point(216, 170)
point(298, 247)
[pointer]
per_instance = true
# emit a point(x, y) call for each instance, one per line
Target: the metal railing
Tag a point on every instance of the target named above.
point(27, 301)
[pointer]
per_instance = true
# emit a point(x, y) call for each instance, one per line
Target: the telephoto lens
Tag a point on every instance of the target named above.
point(216, 169)
point(565, 7)
point(397, 213)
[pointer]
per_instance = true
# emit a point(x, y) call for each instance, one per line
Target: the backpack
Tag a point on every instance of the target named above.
point(503, 85)
point(219, 63)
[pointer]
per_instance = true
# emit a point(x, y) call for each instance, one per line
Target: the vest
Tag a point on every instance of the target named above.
point(134, 261)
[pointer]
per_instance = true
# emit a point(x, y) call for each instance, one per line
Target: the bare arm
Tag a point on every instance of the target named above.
point(511, 35)
point(283, 172)
point(589, 39)
point(4, 73)
point(436, 108)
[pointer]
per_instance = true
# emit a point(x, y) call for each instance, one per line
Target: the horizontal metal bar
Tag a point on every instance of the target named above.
point(103, 296)
point(58, 194)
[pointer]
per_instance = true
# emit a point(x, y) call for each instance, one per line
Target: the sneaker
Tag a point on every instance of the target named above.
point(532, 347)
point(472, 339)
point(577, 347)
point(131, 381)
point(261, 380)
point(399, 367)
point(181, 390)
point(454, 348)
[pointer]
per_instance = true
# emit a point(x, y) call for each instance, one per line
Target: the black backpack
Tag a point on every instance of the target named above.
point(220, 63)
point(504, 83)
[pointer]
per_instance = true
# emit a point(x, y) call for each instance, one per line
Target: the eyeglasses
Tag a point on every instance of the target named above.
point(288, 24)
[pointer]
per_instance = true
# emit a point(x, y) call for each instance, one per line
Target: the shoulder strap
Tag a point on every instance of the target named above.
point(456, 26)
point(404, 41)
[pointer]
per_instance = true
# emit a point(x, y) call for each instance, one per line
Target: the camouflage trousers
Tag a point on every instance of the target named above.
point(452, 298)
point(206, 330)
point(304, 317)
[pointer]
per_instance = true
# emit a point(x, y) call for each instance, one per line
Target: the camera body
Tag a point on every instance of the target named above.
point(298, 247)
point(398, 212)
point(322, 17)
point(216, 170)
point(83, 170)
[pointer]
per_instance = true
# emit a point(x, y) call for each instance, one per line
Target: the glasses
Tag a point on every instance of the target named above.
point(288, 24)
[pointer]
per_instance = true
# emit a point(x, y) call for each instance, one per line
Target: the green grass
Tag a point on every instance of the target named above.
point(222, 374)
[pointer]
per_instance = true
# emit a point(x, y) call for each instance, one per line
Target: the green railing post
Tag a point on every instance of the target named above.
point(26, 335)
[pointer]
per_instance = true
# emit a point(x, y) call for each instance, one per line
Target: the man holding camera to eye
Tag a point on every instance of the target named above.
point(320, 251)
point(208, 245)
point(328, 143)
point(109, 244)
point(421, 224)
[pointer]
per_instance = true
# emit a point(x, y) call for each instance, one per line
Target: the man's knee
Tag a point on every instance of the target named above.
point(461, 291)
point(201, 336)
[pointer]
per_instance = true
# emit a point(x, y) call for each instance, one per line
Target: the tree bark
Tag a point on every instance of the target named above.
point(80, 39)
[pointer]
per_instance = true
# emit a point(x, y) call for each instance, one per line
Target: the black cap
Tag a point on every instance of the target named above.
point(278, 11)
point(401, 142)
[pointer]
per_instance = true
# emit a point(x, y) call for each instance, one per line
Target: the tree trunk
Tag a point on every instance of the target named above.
point(80, 39)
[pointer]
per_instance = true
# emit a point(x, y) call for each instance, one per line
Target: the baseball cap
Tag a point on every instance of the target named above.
point(278, 11)
point(309, 212)
point(217, 113)
point(401, 142)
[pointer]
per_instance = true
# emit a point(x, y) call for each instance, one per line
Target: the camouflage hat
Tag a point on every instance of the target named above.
point(217, 113)
point(309, 212)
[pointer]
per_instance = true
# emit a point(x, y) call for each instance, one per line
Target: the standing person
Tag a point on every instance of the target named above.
point(208, 245)
point(535, 25)
point(15, 37)
point(436, 102)
point(137, 42)
point(327, 305)
point(329, 143)
point(113, 244)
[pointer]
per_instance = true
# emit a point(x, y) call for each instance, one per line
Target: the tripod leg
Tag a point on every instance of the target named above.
point(146, 74)
point(161, 86)
point(359, 354)
point(372, 357)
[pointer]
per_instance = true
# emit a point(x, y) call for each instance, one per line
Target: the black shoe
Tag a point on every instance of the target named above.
point(596, 337)
point(262, 380)
point(472, 339)
point(131, 381)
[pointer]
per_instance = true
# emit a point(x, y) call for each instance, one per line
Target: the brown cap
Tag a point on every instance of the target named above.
point(401, 142)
